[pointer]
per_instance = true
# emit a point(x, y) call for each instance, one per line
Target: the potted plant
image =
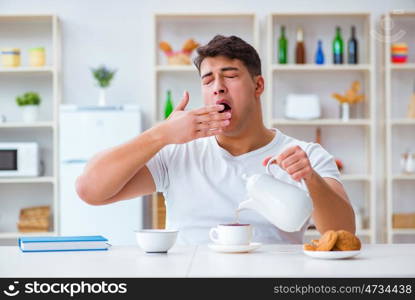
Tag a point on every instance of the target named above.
point(103, 75)
point(29, 103)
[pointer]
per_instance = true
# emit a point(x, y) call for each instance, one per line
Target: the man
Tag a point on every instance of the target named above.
point(197, 157)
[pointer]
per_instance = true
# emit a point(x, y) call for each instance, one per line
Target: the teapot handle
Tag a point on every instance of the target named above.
point(269, 165)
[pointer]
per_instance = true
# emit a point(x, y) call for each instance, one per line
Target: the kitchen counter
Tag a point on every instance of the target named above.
point(379, 260)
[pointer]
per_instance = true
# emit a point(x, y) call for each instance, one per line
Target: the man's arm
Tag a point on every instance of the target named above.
point(119, 173)
point(107, 176)
point(332, 209)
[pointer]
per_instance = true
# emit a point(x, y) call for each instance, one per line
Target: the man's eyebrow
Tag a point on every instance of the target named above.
point(229, 69)
point(207, 74)
point(222, 70)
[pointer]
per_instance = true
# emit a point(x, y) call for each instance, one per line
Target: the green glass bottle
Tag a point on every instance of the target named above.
point(338, 47)
point(282, 47)
point(168, 106)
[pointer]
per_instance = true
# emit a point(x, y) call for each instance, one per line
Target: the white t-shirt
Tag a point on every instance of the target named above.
point(202, 184)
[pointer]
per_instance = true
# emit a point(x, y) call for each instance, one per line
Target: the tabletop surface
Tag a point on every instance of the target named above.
point(375, 260)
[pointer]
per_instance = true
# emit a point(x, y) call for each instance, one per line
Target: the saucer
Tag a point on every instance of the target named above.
point(331, 254)
point(234, 248)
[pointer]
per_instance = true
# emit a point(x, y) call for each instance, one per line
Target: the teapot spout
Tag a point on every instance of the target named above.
point(247, 204)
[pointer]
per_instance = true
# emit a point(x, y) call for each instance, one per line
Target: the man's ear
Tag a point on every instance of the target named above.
point(259, 85)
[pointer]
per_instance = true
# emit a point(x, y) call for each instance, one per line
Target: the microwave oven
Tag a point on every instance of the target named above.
point(19, 159)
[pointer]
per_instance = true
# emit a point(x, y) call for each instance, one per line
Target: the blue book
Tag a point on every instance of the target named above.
point(63, 243)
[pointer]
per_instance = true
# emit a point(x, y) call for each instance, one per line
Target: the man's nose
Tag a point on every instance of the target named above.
point(219, 88)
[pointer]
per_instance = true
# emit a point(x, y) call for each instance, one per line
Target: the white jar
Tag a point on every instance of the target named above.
point(410, 163)
point(30, 113)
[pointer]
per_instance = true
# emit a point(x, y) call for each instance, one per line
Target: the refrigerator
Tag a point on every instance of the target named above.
point(84, 131)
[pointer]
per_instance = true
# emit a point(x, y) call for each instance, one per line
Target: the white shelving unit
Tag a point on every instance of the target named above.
point(24, 32)
point(400, 131)
point(323, 80)
point(176, 29)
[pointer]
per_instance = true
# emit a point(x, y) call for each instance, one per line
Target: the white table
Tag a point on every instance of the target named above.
point(382, 260)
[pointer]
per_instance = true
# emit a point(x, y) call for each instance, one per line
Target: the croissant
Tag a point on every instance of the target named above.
point(165, 46)
point(190, 45)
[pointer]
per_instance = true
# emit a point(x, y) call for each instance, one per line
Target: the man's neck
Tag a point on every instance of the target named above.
point(252, 138)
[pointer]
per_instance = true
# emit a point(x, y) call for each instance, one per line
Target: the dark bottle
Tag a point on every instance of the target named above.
point(338, 47)
point(282, 47)
point(352, 48)
point(168, 106)
point(299, 47)
point(319, 53)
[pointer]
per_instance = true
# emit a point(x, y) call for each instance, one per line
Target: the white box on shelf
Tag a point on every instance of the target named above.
point(302, 107)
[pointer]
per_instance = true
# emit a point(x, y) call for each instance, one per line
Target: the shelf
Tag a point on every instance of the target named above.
point(320, 14)
point(12, 235)
point(402, 13)
point(202, 15)
point(41, 179)
point(315, 232)
point(314, 67)
point(405, 66)
point(178, 68)
point(328, 122)
point(45, 124)
point(403, 122)
point(404, 177)
point(26, 18)
point(47, 69)
point(352, 177)
point(403, 230)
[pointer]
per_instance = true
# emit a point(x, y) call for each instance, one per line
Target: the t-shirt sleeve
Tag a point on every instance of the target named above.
point(322, 162)
point(158, 167)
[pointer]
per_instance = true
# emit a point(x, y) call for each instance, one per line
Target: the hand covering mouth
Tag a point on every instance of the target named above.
point(226, 104)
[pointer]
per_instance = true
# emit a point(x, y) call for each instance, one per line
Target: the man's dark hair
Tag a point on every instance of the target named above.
point(231, 47)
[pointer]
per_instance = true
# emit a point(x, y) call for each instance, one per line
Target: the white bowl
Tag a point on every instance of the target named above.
point(156, 240)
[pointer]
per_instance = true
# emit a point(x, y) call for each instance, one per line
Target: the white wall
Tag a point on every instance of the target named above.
point(120, 34)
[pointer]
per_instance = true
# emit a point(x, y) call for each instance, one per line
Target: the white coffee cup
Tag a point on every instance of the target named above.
point(232, 234)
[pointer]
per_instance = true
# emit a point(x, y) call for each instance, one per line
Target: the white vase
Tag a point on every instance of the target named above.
point(345, 112)
point(30, 113)
point(102, 97)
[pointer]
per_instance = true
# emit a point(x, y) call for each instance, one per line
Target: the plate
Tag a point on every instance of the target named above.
point(331, 254)
point(235, 248)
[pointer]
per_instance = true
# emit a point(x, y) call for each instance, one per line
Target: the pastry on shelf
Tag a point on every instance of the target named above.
point(181, 57)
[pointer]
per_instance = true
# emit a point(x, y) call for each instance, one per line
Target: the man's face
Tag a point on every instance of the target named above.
point(227, 81)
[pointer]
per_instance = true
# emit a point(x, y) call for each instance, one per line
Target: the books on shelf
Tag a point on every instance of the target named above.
point(63, 243)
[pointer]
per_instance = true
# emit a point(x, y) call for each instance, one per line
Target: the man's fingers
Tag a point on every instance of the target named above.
point(183, 103)
point(215, 116)
point(208, 109)
point(293, 168)
point(266, 160)
point(212, 125)
point(286, 153)
point(290, 160)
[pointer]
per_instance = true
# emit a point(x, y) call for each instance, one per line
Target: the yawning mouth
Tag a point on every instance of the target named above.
point(226, 104)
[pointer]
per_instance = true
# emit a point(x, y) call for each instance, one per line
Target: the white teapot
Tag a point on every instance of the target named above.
point(286, 206)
